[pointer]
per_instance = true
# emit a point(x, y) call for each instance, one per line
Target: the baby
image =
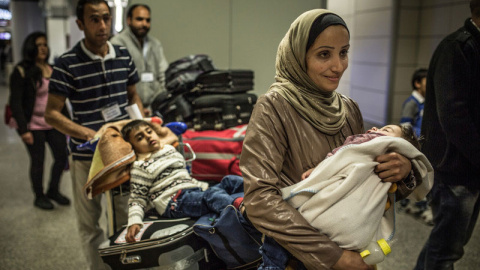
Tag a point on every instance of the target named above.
point(345, 199)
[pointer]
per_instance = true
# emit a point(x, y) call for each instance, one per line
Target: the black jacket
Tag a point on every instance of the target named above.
point(23, 92)
point(451, 120)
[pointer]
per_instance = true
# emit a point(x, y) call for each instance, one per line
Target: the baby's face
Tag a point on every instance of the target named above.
point(389, 130)
point(144, 140)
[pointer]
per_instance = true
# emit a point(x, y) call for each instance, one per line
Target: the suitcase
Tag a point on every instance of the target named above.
point(164, 244)
point(175, 109)
point(218, 112)
point(224, 81)
point(198, 62)
point(217, 152)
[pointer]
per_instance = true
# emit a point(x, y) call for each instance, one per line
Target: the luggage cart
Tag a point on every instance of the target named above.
point(165, 243)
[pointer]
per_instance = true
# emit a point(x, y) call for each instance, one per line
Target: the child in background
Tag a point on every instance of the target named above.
point(412, 114)
point(159, 179)
point(412, 108)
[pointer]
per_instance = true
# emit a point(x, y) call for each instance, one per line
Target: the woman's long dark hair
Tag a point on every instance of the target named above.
point(29, 56)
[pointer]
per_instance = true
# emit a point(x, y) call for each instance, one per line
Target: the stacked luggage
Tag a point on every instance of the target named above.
point(206, 98)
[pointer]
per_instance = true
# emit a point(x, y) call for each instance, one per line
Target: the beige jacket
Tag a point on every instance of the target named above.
point(279, 146)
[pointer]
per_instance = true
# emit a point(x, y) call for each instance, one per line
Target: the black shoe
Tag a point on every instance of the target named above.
point(43, 202)
point(59, 198)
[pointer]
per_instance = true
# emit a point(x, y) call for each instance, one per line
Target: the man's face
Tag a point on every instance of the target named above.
point(96, 24)
point(139, 23)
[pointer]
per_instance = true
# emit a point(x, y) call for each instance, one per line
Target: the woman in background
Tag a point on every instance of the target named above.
point(28, 98)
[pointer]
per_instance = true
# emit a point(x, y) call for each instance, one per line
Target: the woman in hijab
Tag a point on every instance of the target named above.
point(293, 127)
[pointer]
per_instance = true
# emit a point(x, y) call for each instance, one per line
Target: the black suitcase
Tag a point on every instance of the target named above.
point(218, 112)
point(165, 244)
point(224, 81)
point(175, 109)
point(194, 62)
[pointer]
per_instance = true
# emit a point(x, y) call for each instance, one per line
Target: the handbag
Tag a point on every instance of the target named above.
point(8, 118)
point(7, 114)
point(233, 239)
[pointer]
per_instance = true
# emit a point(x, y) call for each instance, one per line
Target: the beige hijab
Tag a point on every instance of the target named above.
point(324, 110)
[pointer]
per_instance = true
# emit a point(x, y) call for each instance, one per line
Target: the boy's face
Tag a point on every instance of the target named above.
point(422, 86)
point(144, 140)
point(390, 130)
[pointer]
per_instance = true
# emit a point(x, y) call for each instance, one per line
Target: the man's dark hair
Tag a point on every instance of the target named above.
point(130, 10)
point(81, 7)
point(475, 8)
point(409, 134)
point(418, 75)
point(133, 125)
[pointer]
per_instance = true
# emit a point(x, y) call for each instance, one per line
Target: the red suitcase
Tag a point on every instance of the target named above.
point(217, 152)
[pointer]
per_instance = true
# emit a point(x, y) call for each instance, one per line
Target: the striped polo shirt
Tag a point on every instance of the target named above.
point(92, 83)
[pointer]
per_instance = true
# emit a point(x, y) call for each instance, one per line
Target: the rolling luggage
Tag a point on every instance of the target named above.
point(224, 81)
point(194, 62)
point(217, 152)
point(163, 244)
point(218, 112)
point(176, 109)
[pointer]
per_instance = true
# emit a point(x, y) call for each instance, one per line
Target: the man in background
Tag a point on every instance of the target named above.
point(147, 53)
point(451, 127)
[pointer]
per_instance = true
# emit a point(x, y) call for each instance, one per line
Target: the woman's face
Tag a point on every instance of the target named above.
point(327, 58)
point(42, 48)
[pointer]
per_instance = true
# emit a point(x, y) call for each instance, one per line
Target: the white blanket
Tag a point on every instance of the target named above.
point(343, 197)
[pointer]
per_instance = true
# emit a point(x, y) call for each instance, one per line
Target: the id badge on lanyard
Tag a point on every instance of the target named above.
point(111, 111)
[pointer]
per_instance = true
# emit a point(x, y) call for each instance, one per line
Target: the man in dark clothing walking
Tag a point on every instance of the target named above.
point(451, 127)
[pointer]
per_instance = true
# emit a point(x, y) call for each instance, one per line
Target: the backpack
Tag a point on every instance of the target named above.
point(233, 239)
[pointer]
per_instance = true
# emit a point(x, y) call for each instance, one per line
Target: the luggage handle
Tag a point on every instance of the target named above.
point(194, 156)
point(183, 264)
point(130, 259)
point(188, 261)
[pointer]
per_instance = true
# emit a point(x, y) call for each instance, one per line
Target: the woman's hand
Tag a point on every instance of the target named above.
point(132, 231)
point(393, 167)
point(351, 260)
point(27, 137)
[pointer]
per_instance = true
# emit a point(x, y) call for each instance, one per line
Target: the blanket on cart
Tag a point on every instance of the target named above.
point(113, 156)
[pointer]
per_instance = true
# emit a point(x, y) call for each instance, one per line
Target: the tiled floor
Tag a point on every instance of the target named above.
point(31, 238)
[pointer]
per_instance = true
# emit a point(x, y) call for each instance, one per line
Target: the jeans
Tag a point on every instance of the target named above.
point(58, 145)
point(455, 212)
point(195, 203)
point(274, 256)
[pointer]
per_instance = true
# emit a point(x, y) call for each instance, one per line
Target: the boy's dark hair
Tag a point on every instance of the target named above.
point(409, 134)
point(130, 10)
point(81, 7)
point(133, 125)
point(418, 75)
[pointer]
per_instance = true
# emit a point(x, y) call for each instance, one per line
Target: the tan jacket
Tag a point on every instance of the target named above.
point(279, 146)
